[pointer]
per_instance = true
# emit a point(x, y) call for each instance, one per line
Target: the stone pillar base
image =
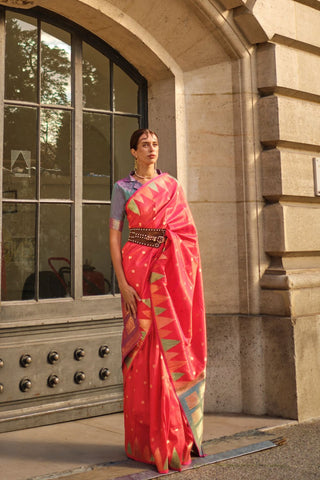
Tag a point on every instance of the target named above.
point(254, 364)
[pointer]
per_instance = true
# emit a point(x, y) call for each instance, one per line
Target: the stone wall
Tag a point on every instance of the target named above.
point(288, 64)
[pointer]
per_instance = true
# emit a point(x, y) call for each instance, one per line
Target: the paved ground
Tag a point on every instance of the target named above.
point(92, 449)
point(297, 459)
point(73, 448)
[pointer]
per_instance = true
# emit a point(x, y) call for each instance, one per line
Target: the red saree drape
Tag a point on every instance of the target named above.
point(164, 347)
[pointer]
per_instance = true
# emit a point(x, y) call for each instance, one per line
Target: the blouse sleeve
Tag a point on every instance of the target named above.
point(117, 212)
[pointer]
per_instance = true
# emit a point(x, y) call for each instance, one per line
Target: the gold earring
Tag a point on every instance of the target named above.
point(135, 163)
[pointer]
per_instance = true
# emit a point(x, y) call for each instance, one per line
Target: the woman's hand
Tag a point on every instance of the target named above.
point(129, 295)
point(130, 298)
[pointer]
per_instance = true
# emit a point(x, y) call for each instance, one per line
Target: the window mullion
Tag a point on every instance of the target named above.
point(2, 70)
point(38, 164)
point(112, 169)
point(76, 227)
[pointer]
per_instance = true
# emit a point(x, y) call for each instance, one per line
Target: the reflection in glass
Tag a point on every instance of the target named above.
point(55, 253)
point(125, 92)
point(19, 152)
point(96, 256)
point(18, 254)
point(39, 166)
point(21, 57)
point(96, 78)
point(55, 65)
point(96, 156)
point(55, 136)
point(123, 160)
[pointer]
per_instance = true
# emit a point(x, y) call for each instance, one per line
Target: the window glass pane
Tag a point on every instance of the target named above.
point(18, 255)
point(125, 92)
point(19, 152)
point(21, 57)
point(96, 254)
point(55, 136)
point(39, 164)
point(55, 65)
point(55, 253)
point(123, 160)
point(96, 156)
point(96, 78)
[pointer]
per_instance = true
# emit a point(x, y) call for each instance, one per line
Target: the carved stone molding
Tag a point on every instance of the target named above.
point(291, 280)
point(229, 4)
point(250, 25)
point(18, 3)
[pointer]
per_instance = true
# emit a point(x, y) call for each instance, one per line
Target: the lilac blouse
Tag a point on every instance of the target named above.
point(122, 191)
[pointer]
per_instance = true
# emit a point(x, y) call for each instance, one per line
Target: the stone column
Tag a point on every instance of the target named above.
point(288, 66)
point(289, 130)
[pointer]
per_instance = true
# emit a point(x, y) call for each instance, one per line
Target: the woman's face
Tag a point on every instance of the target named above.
point(147, 151)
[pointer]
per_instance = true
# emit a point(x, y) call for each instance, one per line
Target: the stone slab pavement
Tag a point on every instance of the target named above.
point(92, 449)
point(297, 459)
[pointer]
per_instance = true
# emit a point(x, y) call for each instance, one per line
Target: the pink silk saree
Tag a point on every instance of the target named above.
point(164, 347)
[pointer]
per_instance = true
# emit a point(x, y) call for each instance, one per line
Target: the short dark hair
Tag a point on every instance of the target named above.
point(134, 140)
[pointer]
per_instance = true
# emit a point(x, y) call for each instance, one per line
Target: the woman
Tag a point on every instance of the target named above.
point(164, 336)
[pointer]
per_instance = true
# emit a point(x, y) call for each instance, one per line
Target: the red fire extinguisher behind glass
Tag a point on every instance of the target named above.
point(94, 282)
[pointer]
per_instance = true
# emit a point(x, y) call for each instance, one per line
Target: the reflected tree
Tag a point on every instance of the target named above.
point(21, 66)
point(63, 144)
point(21, 61)
point(95, 76)
point(22, 84)
point(55, 75)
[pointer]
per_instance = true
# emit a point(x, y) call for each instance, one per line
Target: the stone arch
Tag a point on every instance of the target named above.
point(137, 32)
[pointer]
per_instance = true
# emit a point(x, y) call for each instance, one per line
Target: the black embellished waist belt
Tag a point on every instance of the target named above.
point(150, 237)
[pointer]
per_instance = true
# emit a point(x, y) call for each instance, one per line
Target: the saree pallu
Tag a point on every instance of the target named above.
point(164, 347)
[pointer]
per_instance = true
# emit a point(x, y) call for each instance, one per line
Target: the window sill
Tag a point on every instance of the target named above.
point(60, 310)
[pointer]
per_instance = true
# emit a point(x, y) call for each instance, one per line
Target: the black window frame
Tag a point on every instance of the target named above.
point(78, 34)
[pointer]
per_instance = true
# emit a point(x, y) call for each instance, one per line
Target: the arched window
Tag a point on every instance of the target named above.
point(69, 104)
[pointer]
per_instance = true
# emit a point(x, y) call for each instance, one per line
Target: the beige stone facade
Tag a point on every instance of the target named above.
point(234, 92)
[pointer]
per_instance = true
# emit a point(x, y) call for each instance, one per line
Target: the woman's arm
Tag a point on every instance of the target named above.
point(129, 295)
